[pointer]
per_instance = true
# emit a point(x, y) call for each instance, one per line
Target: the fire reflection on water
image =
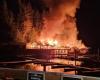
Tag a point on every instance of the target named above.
point(39, 67)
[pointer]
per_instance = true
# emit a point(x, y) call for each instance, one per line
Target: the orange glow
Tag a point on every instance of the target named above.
point(54, 28)
point(52, 42)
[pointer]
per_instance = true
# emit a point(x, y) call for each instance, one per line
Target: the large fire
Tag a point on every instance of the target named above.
point(48, 24)
point(52, 44)
point(45, 24)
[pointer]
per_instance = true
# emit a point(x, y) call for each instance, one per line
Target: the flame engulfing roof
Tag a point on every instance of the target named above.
point(49, 23)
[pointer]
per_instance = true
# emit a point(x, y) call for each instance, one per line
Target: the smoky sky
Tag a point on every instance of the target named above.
point(14, 5)
point(38, 5)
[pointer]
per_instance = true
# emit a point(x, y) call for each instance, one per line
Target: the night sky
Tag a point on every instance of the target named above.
point(87, 22)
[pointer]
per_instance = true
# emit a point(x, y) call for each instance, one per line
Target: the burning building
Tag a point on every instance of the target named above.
point(45, 23)
point(46, 27)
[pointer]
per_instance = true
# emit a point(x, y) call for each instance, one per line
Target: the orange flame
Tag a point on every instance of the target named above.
point(58, 30)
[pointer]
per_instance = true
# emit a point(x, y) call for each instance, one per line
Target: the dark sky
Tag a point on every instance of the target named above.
point(87, 20)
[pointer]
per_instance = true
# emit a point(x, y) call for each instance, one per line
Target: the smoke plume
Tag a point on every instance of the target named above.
point(45, 20)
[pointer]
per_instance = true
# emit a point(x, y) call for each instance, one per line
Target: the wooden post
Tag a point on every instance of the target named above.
point(44, 68)
point(75, 61)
